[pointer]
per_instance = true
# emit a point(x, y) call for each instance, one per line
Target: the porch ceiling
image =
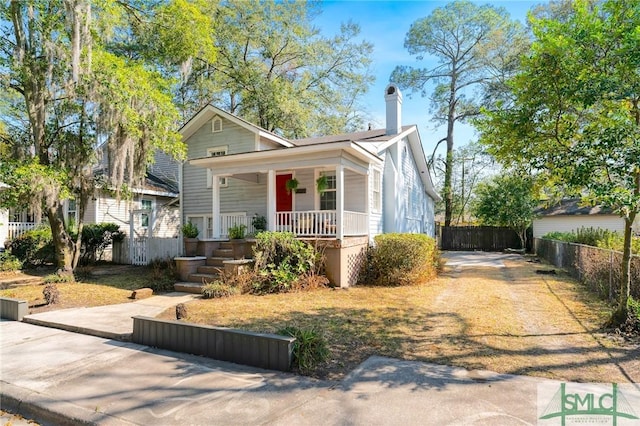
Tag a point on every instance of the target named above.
point(348, 154)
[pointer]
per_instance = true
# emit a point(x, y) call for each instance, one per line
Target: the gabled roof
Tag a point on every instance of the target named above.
point(572, 207)
point(372, 142)
point(210, 111)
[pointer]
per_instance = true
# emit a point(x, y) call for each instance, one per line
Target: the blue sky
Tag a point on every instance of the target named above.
point(385, 24)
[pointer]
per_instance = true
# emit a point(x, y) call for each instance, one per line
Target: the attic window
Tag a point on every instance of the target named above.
point(218, 151)
point(216, 125)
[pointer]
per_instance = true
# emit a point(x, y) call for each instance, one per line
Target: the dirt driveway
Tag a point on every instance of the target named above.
point(497, 313)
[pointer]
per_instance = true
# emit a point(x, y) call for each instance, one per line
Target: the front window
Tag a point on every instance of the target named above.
point(146, 205)
point(328, 196)
point(72, 213)
point(377, 191)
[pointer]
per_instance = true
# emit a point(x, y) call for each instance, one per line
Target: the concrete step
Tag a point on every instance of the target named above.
point(200, 278)
point(195, 288)
point(225, 245)
point(223, 253)
point(211, 270)
point(217, 261)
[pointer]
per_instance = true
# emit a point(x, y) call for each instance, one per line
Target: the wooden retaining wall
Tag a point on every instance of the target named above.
point(268, 351)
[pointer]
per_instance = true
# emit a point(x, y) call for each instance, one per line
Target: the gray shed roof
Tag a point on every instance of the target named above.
point(571, 207)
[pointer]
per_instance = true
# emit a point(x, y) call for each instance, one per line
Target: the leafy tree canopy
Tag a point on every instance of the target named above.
point(506, 200)
point(274, 68)
point(574, 116)
point(476, 48)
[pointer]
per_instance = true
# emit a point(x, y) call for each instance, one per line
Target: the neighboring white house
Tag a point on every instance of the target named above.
point(153, 209)
point(378, 181)
point(570, 215)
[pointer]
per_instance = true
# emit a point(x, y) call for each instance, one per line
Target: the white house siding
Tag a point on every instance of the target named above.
point(167, 222)
point(375, 217)
point(242, 196)
point(413, 196)
point(306, 181)
point(198, 200)
point(355, 196)
point(568, 223)
point(90, 212)
point(390, 189)
point(265, 145)
point(114, 211)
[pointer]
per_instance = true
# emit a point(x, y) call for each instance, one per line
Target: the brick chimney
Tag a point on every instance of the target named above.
point(393, 100)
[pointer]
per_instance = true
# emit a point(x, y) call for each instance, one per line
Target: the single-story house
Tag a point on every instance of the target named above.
point(571, 214)
point(152, 210)
point(340, 190)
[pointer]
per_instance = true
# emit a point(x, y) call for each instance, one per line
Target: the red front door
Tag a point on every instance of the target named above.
point(284, 201)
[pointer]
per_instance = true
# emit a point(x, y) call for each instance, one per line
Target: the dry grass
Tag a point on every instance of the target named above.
point(506, 320)
point(101, 286)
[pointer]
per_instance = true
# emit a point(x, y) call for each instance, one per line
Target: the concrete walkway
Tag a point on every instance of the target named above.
point(58, 377)
point(111, 321)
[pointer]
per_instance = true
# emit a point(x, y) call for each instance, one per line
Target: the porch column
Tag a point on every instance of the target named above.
point(339, 202)
point(271, 200)
point(215, 207)
point(368, 198)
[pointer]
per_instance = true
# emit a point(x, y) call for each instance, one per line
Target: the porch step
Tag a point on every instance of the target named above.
point(226, 245)
point(194, 288)
point(227, 252)
point(210, 270)
point(202, 278)
point(217, 261)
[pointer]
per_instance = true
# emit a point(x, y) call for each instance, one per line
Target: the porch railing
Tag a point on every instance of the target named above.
point(229, 220)
point(15, 229)
point(321, 223)
point(356, 223)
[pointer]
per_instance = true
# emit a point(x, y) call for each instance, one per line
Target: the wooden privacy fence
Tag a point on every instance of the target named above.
point(485, 238)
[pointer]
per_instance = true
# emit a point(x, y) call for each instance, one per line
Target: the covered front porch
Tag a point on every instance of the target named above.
point(282, 187)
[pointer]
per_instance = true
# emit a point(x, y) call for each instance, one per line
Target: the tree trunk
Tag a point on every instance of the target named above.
point(625, 283)
point(62, 244)
point(448, 193)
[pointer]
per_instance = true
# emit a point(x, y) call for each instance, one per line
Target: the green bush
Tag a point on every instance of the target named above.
point(8, 262)
point(596, 237)
point(34, 247)
point(259, 223)
point(281, 260)
point(218, 289)
point(189, 230)
point(401, 259)
point(237, 231)
point(96, 237)
point(309, 349)
point(58, 278)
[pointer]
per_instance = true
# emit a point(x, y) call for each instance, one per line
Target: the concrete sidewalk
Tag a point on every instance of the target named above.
point(110, 321)
point(58, 377)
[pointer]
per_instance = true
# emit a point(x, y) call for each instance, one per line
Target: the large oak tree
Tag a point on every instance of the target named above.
point(79, 85)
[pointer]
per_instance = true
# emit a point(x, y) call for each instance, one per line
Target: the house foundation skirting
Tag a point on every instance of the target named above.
point(344, 258)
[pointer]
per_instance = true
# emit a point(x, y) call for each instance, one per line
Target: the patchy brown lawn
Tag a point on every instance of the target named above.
point(507, 320)
point(105, 285)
